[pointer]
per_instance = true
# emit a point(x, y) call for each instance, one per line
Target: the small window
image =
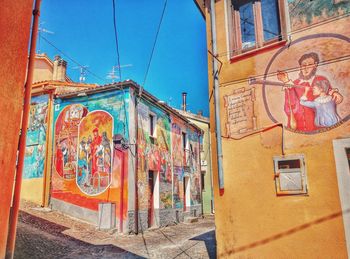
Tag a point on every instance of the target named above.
point(254, 23)
point(151, 124)
point(202, 180)
point(290, 175)
point(184, 140)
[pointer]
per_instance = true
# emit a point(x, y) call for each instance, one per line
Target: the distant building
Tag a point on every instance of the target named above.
point(205, 148)
point(279, 81)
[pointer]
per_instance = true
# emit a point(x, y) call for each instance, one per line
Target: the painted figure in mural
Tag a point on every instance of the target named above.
point(323, 105)
point(59, 159)
point(106, 144)
point(95, 151)
point(301, 117)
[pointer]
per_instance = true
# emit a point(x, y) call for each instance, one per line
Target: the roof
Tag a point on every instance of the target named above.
point(129, 84)
point(58, 87)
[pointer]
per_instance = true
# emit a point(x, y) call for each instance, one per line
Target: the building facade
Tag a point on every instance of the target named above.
point(123, 160)
point(281, 154)
point(206, 165)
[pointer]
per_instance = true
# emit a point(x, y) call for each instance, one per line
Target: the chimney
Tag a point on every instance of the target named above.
point(59, 69)
point(200, 113)
point(184, 94)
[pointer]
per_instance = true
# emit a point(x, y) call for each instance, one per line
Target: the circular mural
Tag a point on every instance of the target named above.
point(66, 139)
point(305, 84)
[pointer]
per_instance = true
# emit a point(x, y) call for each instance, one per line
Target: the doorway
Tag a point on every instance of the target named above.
point(151, 198)
point(342, 161)
point(187, 199)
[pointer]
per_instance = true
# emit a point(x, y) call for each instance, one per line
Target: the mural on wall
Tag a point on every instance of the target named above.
point(66, 139)
point(178, 152)
point(95, 152)
point(34, 160)
point(304, 87)
point(178, 194)
point(88, 168)
point(154, 155)
point(194, 166)
point(306, 13)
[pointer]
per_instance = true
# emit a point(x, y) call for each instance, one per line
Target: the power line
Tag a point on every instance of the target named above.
point(116, 41)
point(154, 45)
point(71, 59)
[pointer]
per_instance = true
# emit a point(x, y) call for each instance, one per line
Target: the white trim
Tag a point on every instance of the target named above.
point(343, 176)
point(228, 27)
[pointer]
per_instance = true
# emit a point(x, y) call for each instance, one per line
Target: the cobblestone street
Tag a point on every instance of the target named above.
point(49, 234)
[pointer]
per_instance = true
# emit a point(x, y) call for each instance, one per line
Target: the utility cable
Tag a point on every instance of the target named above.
point(71, 59)
point(154, 45)
point(116, 41)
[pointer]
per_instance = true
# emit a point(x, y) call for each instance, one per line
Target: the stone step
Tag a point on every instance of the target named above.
point(190, 219)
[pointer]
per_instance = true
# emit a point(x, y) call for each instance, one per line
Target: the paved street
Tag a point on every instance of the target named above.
point(49, 234)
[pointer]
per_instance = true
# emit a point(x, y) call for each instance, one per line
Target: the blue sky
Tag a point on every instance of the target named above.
point(84, 31)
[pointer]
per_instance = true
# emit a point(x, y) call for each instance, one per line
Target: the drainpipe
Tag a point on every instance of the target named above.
point(216, 99)
point(22, 141)
point(136, 168)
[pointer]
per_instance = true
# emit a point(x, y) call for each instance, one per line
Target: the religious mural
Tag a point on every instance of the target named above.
point(34, 160)
point(304, 88)
point(95, 152)
point(88, 169)
point(306, 13)
point(66, 139)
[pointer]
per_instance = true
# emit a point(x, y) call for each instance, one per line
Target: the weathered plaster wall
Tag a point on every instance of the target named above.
point(14, 37)
point(251, 220)
point(88, 169)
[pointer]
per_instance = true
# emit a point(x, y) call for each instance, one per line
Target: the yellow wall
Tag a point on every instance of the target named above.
point(251, 220)
point(32, 190)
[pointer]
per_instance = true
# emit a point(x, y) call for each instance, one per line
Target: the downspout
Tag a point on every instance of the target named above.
point(22, 141)
point(136, 169)
point(216, 99)
point(48, 154)
point(121, 212)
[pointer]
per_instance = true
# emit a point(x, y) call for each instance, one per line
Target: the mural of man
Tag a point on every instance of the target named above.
point(96, 141)
point(301, 117)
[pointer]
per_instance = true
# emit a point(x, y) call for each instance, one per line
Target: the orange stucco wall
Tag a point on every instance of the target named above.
point(251, 220)
point(14, 35)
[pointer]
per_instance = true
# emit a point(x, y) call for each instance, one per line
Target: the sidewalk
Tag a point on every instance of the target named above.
point(44, 233)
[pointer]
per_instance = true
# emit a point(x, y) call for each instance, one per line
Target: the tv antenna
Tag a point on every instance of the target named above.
point(40, 31)
point(82, 76)
point(113, 74)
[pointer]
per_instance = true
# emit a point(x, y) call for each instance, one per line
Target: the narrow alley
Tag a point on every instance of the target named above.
point(44, 233)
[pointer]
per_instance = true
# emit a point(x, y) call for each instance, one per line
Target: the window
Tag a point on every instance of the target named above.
point(290, 175)
point(202, 180)
point(255, 23)
point(151, 125)
point(184, 140)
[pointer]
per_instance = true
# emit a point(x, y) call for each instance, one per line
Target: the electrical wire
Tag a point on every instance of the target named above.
point(153, 48)
point(116, 40)
point(71, 59)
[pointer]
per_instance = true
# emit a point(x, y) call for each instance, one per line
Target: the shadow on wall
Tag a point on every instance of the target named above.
point(209, 241)
point(40, 238)
point(285, 233)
